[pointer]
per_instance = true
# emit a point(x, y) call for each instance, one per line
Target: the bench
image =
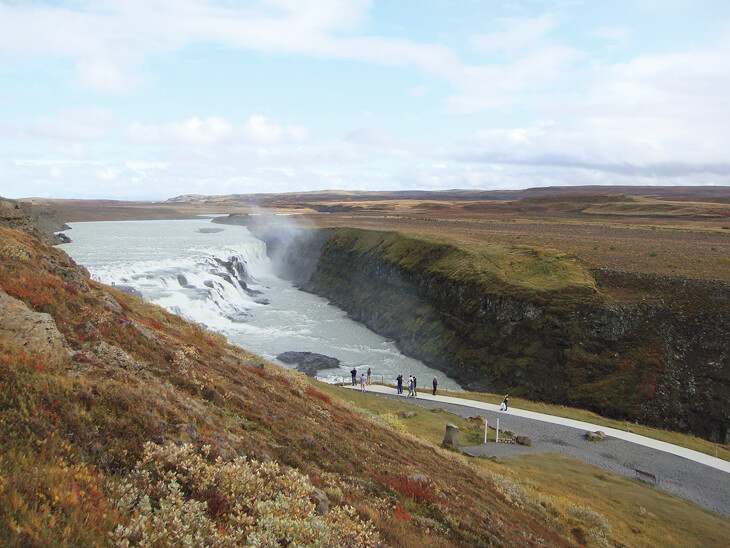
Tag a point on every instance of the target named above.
point(646, 477)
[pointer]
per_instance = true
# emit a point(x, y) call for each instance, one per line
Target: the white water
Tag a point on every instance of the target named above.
point(178, 267)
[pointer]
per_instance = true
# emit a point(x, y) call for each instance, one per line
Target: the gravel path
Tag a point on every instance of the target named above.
point(701, 484)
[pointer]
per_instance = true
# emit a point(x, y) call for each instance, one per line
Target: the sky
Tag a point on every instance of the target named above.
point(151, 99)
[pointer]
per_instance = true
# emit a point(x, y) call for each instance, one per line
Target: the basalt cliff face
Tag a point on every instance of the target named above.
point(660, 357)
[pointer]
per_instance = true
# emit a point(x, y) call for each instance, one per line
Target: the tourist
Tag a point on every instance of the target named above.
point(353, 372)
point(435, 384)
point(503, 407)
point(399, 381)
point(369, 373)
point(415, 387)
point(410, 386)
point(362, 382)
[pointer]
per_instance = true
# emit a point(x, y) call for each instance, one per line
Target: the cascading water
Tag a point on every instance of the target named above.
point(223, 279)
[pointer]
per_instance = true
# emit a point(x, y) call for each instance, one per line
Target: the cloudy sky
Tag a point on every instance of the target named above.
point(151, 99)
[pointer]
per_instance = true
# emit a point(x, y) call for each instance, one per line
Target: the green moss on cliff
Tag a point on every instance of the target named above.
point(486, 265)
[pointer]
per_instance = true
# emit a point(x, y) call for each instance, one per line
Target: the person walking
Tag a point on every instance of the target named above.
point(399, 382)
point(362, 382)
point(369, 374)
point(353, 372)
point(435, 384)
point(505, 402)
point(415, 387)
point(410, 386)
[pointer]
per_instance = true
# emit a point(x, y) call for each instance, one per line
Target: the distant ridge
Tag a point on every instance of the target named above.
point(699, 193)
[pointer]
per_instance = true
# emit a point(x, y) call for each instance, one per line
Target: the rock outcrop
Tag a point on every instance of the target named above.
point(33, 332)
point(309, 362)
point(662, 358)
point(41, 222)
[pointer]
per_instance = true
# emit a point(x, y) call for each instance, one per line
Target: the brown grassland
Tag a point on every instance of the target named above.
point(73, 430)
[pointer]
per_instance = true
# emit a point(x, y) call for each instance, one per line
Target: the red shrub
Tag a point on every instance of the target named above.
point(418, 490)
point(317, 394)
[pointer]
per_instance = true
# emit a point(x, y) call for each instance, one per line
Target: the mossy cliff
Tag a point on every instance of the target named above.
point(533, 322)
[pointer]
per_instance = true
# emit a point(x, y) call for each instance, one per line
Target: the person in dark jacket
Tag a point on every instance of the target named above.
point(353, 372)
point(435, 384)
point(505, 402)
point(399, 380)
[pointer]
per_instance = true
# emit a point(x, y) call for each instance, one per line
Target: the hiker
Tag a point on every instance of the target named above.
point(410, 386)
point(362, 382)
point(415, 387)
point(399, 381)
point(369, 373)
point(503, 407)
point(353, 372)
point(435, 384)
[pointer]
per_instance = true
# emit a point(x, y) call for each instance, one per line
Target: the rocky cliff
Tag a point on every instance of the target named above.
point(660, 357)
point(40, 222)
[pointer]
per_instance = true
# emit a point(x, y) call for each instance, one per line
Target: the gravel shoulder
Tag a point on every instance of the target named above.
point(698, 483)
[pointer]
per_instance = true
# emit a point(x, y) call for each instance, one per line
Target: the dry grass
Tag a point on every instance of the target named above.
point(72, 430)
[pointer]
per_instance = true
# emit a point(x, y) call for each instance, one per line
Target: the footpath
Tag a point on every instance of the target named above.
point(651, 443)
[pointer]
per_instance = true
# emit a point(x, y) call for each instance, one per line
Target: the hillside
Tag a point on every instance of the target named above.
point(122, 422)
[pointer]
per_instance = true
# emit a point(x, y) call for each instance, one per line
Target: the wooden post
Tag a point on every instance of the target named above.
point(496, 436)
point(486, 427)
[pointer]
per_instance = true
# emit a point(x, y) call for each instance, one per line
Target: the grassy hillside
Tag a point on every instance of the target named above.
point(121, 423)
point(144, 426)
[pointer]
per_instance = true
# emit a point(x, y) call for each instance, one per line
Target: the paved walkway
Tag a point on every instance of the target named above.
point(695, 456)
point(689, 474)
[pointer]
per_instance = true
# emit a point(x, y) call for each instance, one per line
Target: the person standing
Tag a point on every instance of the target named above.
point(353, 372)
point(410, 386)
point(435, 384)
point(415, 387)
point(362, 382)
point(399, 381)
point(369, 374)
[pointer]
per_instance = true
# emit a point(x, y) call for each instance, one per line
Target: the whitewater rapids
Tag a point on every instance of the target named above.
point(222, 278)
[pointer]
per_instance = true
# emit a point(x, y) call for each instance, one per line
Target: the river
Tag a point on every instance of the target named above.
point(194, 268)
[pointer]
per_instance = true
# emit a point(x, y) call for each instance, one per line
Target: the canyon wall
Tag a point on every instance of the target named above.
point(660, 357)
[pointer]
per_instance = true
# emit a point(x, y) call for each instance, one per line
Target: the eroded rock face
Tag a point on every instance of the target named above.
point(33, 332)
point(661, 358)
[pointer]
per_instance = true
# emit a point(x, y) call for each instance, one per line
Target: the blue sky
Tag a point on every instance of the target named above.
point(148, 100)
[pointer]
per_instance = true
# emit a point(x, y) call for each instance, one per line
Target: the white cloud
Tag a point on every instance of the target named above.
point(69, 124)
point(508, 84)
point(213, 130)
point(111, 39)
point(520, 33)
point(617, 34)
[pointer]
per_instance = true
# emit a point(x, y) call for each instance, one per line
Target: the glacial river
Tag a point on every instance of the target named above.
point(185, 266)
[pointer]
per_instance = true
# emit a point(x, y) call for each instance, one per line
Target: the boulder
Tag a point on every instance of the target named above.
point(524, 440)
point(321, 500)
point(31, 331)
point(420, 479)
point(598, 435)
point(477, 419)
point(451, 437)
point(408, 414)
point(309, 362)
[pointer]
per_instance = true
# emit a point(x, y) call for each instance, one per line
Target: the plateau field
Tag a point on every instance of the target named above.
point(122, 424)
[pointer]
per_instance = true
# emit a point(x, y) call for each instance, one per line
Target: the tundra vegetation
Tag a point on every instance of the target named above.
point(149, 430)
